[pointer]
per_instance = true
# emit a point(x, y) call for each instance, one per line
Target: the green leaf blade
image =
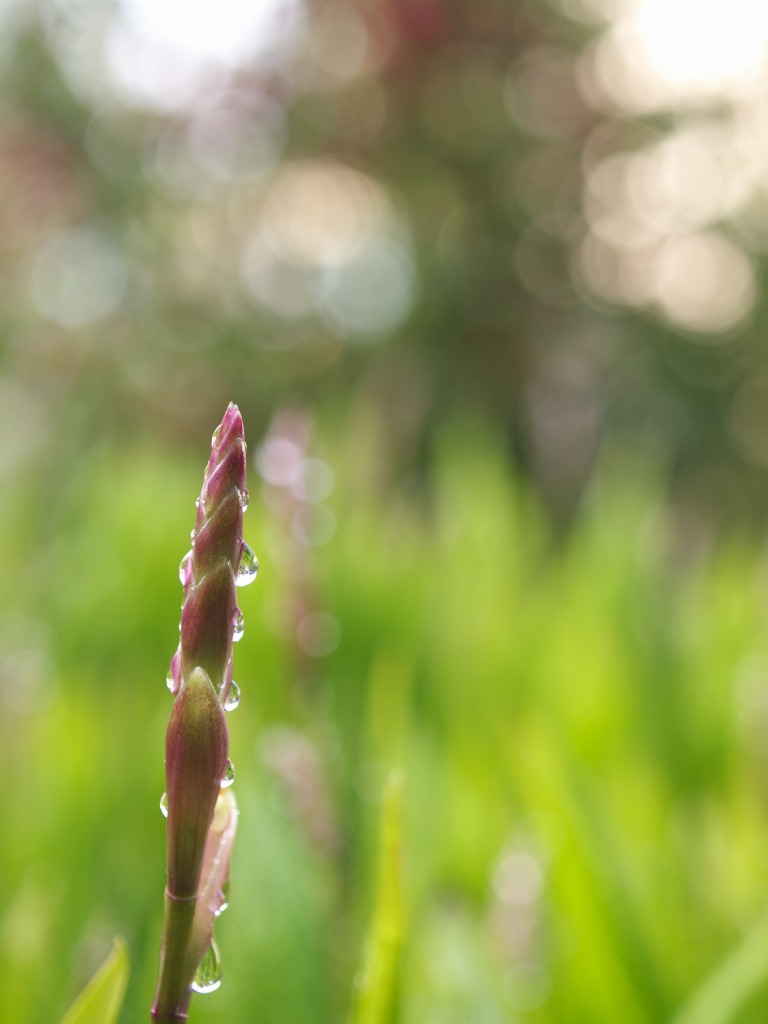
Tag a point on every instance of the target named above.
point(101, 999)
point(376, 984)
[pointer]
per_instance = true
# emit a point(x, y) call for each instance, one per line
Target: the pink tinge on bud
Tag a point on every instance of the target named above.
point(228, 435)
point(209, 595)
point(196, 752)
point(231, 428)
point(206, 623)
point(220, 536)
point(218, 851)
point(228, 472)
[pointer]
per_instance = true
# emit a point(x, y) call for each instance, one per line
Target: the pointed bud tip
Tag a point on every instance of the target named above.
point(232, 419)
point(231, 427)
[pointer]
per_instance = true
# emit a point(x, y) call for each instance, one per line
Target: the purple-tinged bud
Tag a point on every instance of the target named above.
point(207, 623)
point(226, 467)
point(230, 468)
point(220, 535)
point(214, 877)
point(196, 751)
point(210, 601)
point(229, 430)
point(202, 816)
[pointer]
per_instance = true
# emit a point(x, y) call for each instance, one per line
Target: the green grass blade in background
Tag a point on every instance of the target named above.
point(733, 983)
point(101, 999)
point(376, 985)
point(595, 716)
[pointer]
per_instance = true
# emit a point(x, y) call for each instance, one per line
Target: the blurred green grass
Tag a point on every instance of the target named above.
point(580, 723)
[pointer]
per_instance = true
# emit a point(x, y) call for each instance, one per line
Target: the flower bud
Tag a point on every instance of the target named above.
point(207, 622)
point(196, 751)
point(202, 817)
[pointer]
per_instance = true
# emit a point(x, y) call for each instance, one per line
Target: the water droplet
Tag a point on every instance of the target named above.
point(164, 805)
point(249, 567)
point(229, 775)
point(244, 498)
point(224, 899)
point(185, 568)
point(208, 974)
point(215, 435)
point(197, 503)
point(238, 626)
point(233, 697)
point(173, 678)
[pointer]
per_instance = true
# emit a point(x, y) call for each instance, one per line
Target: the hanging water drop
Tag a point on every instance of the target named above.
point(208, 974)
point(229, 775)
point(173, 678)
point(238, 626)
point(244, 498)
point(224, 899)
point(185, 568)
point(164, 805)
point(215, 435)
point(249, 567)
point(233, 697)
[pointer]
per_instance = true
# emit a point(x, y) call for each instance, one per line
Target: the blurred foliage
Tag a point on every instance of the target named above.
point(435, 205)
point(473, 263)
point(377, 983)
point(584, 820)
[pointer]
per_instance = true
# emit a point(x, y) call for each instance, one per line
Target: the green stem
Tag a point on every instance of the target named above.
point(175, 977)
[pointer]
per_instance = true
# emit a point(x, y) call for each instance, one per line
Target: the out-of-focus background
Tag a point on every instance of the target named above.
point(486, 281)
